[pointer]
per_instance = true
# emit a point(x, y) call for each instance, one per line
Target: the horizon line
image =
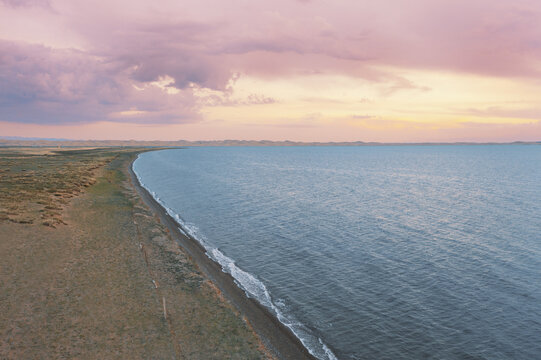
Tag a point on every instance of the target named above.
point(6, 141)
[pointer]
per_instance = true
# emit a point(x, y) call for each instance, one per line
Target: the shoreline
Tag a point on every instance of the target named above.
point(276, 336)
point(89, 271)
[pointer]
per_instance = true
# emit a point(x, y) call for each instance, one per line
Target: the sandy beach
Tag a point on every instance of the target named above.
point(92, 267)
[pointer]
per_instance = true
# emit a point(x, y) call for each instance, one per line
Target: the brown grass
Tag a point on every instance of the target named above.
point(92, 282)
point(36, 184)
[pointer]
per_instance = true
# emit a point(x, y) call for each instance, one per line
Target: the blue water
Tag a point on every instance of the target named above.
point(385, 252)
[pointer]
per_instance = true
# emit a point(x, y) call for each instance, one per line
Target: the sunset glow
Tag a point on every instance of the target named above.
point(307, 70)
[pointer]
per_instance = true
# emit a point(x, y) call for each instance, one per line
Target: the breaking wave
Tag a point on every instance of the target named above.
point(252, 287)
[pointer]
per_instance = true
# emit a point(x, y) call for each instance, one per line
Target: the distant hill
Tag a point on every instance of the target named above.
point(20, 141)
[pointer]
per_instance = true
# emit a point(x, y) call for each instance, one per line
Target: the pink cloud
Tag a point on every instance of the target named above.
point(17, 3)
point(132, 43)
point(533, 113)
point(43, 85)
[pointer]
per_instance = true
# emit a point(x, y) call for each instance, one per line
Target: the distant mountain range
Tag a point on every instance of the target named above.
point(22, 141)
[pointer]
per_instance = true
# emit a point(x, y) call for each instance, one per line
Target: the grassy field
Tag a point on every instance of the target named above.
point(88, 272)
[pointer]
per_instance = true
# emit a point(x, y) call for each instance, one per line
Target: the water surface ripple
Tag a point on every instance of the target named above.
point(385, 252)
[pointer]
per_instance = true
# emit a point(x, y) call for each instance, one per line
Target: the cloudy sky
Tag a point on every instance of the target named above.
point(415, 70)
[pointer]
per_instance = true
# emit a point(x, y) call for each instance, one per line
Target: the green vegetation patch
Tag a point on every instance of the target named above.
point(34, 188)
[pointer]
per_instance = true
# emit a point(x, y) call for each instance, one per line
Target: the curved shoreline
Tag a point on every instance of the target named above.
point(276, 337)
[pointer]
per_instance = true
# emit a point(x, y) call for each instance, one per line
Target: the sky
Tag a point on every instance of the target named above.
point(303, 70)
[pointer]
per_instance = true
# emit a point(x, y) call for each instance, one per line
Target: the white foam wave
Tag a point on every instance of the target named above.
point(250, 284)
point(256, 289)
point(328, 351)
